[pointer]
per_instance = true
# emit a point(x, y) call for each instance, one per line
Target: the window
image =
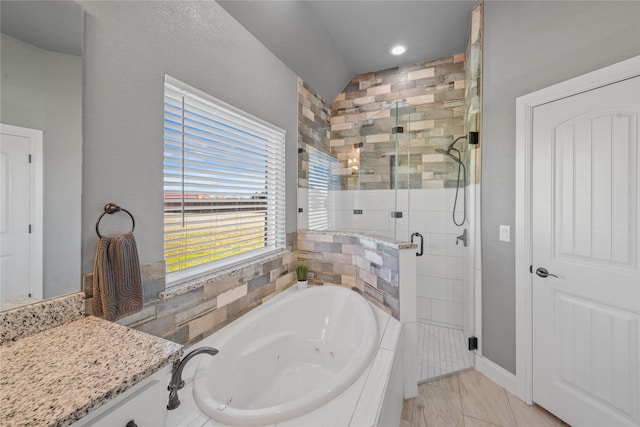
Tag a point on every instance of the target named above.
point(324, 173)
point(223, 184)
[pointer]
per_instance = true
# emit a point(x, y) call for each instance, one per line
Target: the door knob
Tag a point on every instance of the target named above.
point(542, 272)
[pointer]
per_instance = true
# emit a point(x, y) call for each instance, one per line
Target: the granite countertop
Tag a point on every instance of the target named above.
point(56, 377)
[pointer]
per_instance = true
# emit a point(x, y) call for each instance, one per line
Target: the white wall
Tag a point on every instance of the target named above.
point(311, 53)
point(529, 45)
point(43, 90)
point(129, 46)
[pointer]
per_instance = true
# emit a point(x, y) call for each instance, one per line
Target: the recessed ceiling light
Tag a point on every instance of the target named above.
point(398, 50)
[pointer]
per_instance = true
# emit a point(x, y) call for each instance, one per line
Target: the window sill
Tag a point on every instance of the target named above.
point(184, 285)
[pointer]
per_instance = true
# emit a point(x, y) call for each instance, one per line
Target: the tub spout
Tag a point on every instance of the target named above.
point(176, 382)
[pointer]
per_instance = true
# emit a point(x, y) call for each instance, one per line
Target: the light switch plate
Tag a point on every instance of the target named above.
point(505, 233)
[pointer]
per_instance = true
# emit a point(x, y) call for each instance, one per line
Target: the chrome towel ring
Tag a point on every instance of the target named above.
point(111, 208)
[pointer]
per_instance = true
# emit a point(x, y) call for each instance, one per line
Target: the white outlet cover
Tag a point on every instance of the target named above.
point(505, 233)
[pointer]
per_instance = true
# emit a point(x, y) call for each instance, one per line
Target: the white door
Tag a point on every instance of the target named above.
point(586, 228)
point(17, 203)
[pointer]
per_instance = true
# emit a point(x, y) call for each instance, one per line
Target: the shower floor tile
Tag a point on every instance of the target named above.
point(441, 351)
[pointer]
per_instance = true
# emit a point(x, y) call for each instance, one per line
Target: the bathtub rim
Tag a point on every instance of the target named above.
point(303, 404)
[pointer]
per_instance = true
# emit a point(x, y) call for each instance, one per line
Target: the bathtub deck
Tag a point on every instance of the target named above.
point(358, 405)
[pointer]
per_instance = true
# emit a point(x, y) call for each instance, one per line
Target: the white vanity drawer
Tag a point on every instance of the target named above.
point(145, 404)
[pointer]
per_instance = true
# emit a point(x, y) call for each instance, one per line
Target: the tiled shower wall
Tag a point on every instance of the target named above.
point(313, 128)
point(473, 91)
point(313, 136)
point(194, 312)
point(438, 101)
point(430, 96)
point(440, 270)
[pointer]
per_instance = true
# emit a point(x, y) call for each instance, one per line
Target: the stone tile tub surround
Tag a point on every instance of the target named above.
point(367, 264)
point(74, 369)
point(370, 400)
point(189, 312)
point(31, 319)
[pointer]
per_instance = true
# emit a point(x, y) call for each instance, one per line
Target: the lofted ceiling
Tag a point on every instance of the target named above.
point(324, 42)
point(327, 42)
point(54, 26)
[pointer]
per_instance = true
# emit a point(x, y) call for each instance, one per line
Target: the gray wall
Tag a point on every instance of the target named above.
point(129, 46)
point(292, 32)
point(43, 90)
point(528, 46)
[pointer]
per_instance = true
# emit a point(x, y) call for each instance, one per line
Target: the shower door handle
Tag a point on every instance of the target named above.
point(421, 243)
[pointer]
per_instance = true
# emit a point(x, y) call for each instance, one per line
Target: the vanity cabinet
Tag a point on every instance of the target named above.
point(143, 405)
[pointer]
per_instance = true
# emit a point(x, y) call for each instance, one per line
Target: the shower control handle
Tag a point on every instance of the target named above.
point(421, 243)
point(464, 237)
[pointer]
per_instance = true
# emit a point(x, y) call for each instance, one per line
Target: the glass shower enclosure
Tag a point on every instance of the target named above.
point(358, 185)
point(385, 175)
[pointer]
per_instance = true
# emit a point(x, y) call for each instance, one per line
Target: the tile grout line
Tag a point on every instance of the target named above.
point(510, 407)
point(459, 393)
point(415, 421)
point(475, 417)
point(482, 421)
point(424, 417)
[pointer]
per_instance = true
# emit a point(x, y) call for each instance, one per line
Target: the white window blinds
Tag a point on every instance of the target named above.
point(323, 181)
point(223, 183)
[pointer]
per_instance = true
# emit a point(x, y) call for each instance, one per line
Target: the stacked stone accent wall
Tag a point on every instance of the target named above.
point(378, 273)
point(331, 258)
point(365, 264)
point(430, 99)
point(190, 313)
point(313, 128)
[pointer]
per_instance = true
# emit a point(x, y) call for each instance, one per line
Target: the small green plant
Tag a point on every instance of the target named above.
point(302, 270)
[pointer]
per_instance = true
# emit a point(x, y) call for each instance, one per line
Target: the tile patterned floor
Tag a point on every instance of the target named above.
point(469, 399)
point(441, 351)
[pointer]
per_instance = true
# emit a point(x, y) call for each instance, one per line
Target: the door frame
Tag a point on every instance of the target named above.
point(523, 218)
point(36, 214)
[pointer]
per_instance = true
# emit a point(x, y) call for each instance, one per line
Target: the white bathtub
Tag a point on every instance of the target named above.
point(287, 358)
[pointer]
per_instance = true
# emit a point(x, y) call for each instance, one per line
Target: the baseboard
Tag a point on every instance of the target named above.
point(497, 374)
